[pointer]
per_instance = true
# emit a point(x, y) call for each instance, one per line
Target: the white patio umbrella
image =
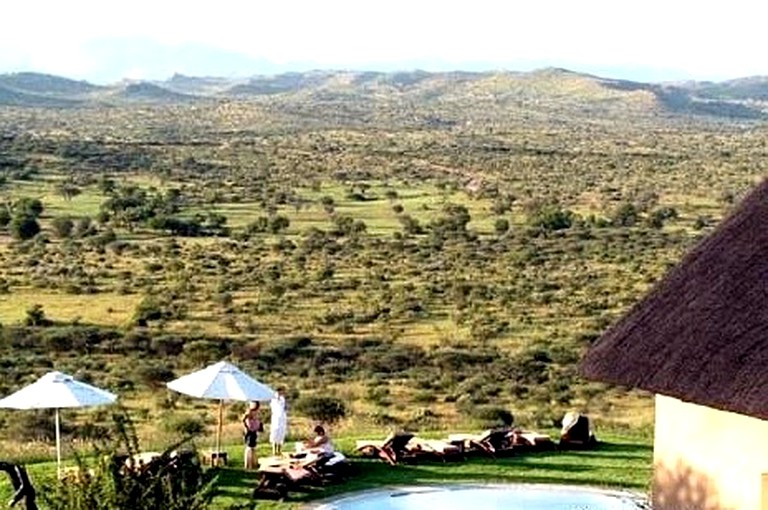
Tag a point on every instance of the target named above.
point(55, 390)
point(221, 381)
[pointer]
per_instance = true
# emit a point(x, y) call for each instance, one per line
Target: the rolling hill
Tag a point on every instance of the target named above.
point(363, 93)
point(146, 92)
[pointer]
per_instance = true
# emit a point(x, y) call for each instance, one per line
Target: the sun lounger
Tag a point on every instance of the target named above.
point(437, 449)
point(576, 433)
point(282, 474)
point(492, 442)
point(525, 441)
point(391, 450)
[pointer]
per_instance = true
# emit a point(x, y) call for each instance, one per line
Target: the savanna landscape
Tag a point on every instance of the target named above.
point(421, 251)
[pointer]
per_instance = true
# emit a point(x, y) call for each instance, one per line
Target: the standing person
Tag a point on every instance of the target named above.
point(278, 423)
point(252, 425)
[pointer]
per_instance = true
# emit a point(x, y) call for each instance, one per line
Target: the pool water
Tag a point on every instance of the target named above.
point(477, 497)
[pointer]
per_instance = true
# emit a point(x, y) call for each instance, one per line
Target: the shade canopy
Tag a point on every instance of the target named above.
point(222, 381)
point(56, 390)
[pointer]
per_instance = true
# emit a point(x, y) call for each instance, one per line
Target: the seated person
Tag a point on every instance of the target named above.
point(320, 444)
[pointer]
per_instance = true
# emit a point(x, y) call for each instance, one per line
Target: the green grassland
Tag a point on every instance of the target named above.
point(428, 259)
point(622, 462)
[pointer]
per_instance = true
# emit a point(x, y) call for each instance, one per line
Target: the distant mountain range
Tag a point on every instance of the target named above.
point(745, 98)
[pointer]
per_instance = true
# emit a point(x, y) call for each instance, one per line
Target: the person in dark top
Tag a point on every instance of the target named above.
point(252, 425)
point(21, 484)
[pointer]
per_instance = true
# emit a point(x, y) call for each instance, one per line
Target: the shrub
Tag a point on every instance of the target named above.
point(172, 482)
point(154, 376)
point(63, 226)
point(202, 352)
point(24, 226)
point(34, 425)
point(26, 206)
point(167, 345)
point(551, 218)
point(5, 215)
point(325, 409)
point(626, 215)
point(35, 316)
point(491, 416)
point(184, 425)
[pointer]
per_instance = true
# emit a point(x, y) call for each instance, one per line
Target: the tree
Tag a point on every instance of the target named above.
point(278, 224)
point(5, 215)
point(501, 225)
point(551, 217)
point(68, 190)
point(24, 226)
point(453, 221)
point(84, 227)
point(35, 316)
point(63, 226)
point(626, 215)
point(28, 206)
point(106, 185)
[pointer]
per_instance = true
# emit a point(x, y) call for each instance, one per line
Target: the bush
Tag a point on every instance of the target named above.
point(154, 376)
point(35, 316)
point(325, 409)
point(63, 226)
point(202, 352)
point(34, 425)
point(24, 226)
point(5, 215)
point(501, 225)
point(551, 218)
point(172, 482)
point(184, 425)
point(491, 416)
point(625, 215)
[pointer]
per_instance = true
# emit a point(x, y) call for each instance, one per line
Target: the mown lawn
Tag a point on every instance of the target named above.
point(619, 462)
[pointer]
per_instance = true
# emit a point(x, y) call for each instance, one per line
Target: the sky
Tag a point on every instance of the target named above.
point(653, 40)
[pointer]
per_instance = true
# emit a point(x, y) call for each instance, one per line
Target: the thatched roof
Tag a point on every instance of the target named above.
point(701, 335)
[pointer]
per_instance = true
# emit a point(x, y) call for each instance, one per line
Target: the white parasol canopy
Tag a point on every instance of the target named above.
point(56, 390)
point(221, 381)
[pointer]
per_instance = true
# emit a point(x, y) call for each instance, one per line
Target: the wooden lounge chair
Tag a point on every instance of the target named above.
point(526, 441)
point(576, 433)
point(492, 442)
point(281, 475)
point(436, 449)
point(392, 449)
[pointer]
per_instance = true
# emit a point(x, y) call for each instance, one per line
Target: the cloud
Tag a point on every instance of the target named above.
point(698, 38)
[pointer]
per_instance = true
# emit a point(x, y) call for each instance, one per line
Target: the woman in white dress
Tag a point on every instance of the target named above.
point(278, 422)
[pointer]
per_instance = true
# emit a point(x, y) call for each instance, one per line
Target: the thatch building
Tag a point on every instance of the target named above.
point(699, 341)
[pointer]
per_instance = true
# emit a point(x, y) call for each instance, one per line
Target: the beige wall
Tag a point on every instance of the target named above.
point(707, 459)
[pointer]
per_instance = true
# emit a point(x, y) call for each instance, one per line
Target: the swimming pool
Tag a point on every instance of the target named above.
point(477, 497)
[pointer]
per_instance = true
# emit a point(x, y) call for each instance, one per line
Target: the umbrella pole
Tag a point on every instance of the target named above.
point(218, 428)
point(58, 445)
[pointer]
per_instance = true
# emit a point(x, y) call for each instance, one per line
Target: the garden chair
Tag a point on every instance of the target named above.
point(491, 442)
point(286, 474)
point(437, 449)
point(526, 441)
point(576, 433)
point(391, 450)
